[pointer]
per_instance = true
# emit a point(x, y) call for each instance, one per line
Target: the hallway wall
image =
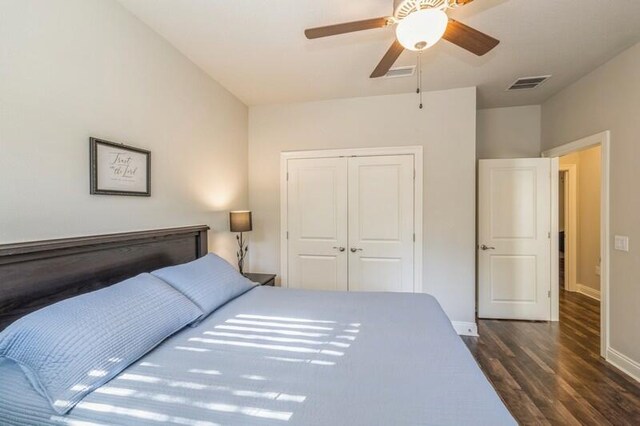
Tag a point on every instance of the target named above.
point(588, 226)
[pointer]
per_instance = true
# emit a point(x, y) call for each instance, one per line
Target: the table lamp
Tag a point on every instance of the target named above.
point(240, 221)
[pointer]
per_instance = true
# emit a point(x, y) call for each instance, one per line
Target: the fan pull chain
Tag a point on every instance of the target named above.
point(419, 74)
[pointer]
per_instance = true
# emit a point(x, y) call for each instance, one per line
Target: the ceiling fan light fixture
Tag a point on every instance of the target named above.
point(422, 29)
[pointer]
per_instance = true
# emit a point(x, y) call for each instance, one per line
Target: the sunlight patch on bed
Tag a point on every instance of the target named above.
point(265, 346)
point(270, 318)
point(191, 349)
point(346, 337)
point(156, 380)
point(60, 403)
point(118, 391)
point(267, 330)
point(79, 388)
point(277, 324)
point(307, 361)
point(270, 395)
point(131, 412)
point(72, 422)
point(142, 414)
point(275, 339)
point(253, 377)
point(115, 391)
point(186, 385)
point(192, 422)
point(206, 372)
point(305, 339)
point(138, 378)
point(164, 398)
point(249, 411)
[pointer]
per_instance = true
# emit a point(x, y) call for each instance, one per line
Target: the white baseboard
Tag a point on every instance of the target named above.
point(624, 363)
point(465, 328)
point(588, 291)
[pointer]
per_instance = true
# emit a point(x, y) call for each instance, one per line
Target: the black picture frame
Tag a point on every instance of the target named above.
point(99, 188)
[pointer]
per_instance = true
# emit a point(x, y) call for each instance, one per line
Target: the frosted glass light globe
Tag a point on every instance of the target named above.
point(422, 29)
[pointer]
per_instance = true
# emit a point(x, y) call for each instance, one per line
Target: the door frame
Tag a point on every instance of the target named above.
point(570, 226)
point(604, 140)
point(416, 151)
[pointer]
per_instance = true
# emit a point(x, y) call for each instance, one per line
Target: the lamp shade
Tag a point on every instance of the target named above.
point(422, 29)
point(240, 221)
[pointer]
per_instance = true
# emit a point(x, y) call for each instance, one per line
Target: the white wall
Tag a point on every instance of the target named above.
point(71, 69)
point(609, 99)
point(512, 132)
point(446, 129)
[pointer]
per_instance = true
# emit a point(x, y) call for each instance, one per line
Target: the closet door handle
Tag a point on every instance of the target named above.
point(353, 249)
point(340, 249)
point(485, 247)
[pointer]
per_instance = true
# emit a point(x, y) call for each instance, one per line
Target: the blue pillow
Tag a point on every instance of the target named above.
point(209, 282)
point(72, 347)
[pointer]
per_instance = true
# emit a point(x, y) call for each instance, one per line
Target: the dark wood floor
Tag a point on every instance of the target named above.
point(552, 373)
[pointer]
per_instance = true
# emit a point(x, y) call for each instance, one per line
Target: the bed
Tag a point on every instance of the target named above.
point(270, 356)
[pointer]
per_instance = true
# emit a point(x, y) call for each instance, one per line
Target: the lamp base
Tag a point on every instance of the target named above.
point(243, 248)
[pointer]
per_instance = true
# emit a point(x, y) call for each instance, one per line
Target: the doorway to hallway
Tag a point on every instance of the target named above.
point(584, 234)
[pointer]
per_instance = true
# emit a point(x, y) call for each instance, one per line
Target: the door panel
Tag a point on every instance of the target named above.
point(503, 286)
point(381, 223)
point(377, 201)
point(320, 272)
point(317, 215)
point(317, 191)
point(378, 274)
point(514, 267)
point(515, 189)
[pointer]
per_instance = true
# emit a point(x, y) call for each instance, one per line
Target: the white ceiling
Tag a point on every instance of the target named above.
point(257, 49)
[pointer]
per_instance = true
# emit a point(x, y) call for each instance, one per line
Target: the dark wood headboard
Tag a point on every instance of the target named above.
point(39, 273)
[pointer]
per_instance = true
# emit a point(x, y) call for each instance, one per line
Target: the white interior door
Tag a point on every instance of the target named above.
point(317, 216)
point(514, 263)
point(381, 223)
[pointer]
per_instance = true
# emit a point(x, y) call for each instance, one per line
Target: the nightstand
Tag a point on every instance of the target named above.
point(262, 279)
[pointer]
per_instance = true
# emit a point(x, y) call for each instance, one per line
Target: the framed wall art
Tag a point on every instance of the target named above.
point(118, 169)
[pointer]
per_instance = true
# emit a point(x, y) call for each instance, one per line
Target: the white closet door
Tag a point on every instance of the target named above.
point(514, 268)
point(381, 223)
point(317, 216)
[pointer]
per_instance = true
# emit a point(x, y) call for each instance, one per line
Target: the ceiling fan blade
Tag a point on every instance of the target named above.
point(347, 27)
point(468, 38)
point(388, 60)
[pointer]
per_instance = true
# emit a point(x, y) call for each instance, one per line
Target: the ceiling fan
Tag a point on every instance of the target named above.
point(419, 25)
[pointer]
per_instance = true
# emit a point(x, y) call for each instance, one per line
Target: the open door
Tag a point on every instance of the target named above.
point(514, 239)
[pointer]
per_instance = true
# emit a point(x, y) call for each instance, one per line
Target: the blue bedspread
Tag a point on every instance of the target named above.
point(288, 357)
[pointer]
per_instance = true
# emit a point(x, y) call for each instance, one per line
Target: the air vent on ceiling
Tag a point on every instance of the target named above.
point(400, 72)
point(528, 82)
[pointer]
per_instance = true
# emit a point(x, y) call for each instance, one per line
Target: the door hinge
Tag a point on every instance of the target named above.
point(414, 174)
point(414, 237)
point(287, 235)
point(549, 294)
point(549, 235)
point(287, 176)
